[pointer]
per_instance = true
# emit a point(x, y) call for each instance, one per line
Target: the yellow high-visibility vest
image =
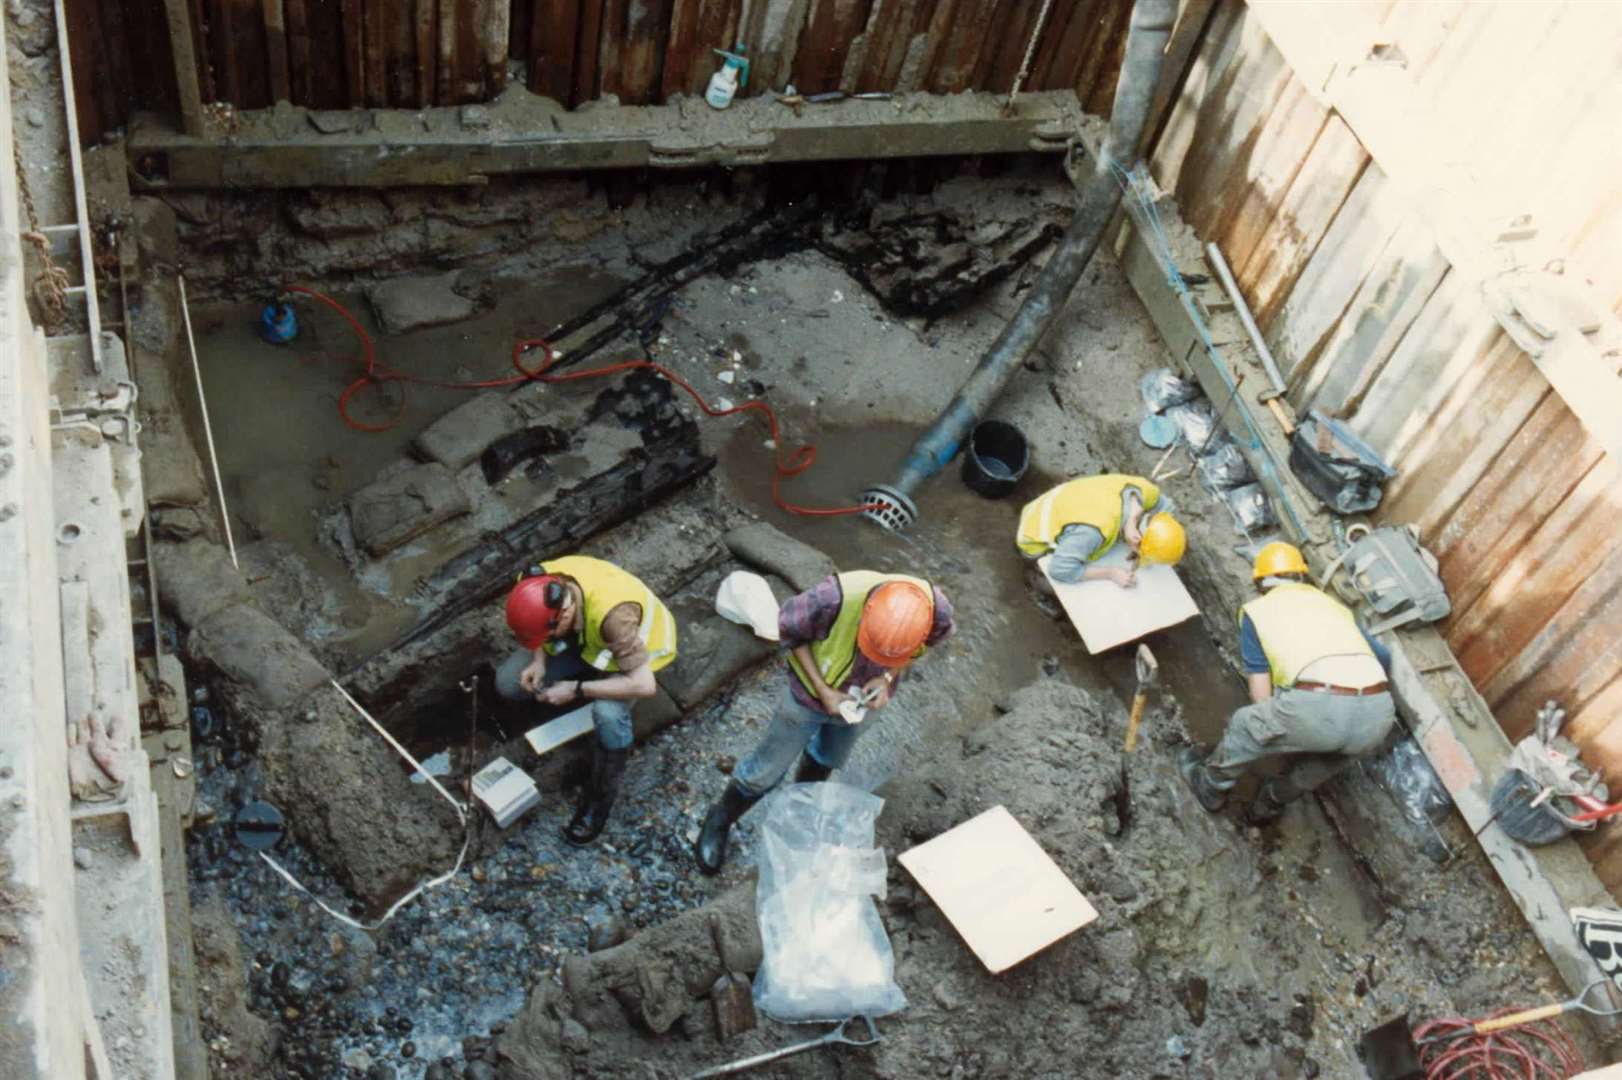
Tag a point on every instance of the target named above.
point(836, 654)
point(1086, 500)
point(605, 586)
point(1299, 625)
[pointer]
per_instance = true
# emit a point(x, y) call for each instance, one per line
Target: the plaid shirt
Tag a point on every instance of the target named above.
point(809, 616)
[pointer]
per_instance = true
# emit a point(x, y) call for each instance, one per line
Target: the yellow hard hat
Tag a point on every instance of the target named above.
point(1163, 540)
point(1279, 558)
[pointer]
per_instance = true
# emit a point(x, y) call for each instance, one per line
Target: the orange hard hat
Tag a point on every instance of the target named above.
point(534, 609)
point(895, 623)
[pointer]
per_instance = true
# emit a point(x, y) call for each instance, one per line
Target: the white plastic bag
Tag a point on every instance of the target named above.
point(827, 956)
point(747, 600)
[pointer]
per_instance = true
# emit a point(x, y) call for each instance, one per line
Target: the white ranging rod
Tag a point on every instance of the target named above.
point(208, 430)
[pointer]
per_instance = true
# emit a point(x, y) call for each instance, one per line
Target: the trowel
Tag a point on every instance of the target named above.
point(1148, 670)
point(855, 710)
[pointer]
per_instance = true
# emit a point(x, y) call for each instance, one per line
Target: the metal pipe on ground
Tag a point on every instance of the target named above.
point(1140, 73)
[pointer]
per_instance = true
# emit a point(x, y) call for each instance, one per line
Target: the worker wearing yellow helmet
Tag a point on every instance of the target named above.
point(1318, 692)
point(1078, 521)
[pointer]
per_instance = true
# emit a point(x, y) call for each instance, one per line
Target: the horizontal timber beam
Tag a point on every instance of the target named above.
point(522, 133)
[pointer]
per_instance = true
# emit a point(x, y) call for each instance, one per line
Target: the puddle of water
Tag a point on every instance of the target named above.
point(285, 452)
point(964, 543)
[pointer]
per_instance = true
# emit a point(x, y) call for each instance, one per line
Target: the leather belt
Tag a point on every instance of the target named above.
point(1346, 691)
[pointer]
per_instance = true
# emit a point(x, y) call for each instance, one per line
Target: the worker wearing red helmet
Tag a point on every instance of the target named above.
point(591, 634)
point(852, 633)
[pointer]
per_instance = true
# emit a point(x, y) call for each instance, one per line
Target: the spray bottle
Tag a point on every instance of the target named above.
point(732, 74)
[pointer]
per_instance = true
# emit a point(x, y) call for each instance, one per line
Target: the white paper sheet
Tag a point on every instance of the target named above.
point(998, 888)
point(1106, 615)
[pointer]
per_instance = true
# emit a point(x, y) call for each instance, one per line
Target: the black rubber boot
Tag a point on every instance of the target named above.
point(811, 771)
point(1191, 764)
point(597, 797)
point(1271, 799)
point(711, 848)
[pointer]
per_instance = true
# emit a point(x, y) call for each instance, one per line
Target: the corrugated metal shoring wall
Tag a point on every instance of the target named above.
point(1370, 321)
point(411, 53)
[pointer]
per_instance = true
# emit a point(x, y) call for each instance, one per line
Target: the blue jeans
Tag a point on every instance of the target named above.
point(795, 728)
point(611, 718)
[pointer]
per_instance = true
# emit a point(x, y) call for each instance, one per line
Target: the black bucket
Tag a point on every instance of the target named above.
point(995, 459)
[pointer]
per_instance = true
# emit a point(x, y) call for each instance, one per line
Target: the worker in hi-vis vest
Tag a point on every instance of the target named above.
point(850, 637)
point(591, 634)
point(1080, 520)
point(1317, 686)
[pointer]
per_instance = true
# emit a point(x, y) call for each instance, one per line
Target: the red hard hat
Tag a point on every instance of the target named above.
point(534, 607)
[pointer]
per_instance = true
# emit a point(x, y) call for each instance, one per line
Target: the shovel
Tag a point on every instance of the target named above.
point(1532, 1016)
point(1148, 674)
point(837, 1035)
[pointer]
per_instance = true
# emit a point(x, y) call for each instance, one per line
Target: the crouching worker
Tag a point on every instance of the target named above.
point(852, 633)
point(1077, 522)
point(1317, 686)
point(591, 634)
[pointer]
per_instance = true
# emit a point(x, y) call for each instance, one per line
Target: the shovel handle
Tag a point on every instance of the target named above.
point(1527, 1016)
point(1132, 721)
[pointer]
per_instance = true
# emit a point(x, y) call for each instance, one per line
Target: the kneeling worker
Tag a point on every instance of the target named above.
point(1080, 520)
point(1318, 687)
point(852, 633)
point(591, 633)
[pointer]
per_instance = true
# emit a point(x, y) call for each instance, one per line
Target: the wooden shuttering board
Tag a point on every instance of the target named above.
point(1370, 320)
point(334, 54)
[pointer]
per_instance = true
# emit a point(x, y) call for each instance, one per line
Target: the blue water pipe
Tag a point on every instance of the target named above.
point(891, 504)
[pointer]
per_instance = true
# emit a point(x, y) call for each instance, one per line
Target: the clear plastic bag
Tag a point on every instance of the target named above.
point(1162, 388)
point(1224, 467)
point(1250, 507)
point(1406, 773)
point(826, 955)
point(1197, 422)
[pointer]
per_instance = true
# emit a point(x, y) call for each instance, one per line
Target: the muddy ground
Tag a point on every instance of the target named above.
point(1221, 951)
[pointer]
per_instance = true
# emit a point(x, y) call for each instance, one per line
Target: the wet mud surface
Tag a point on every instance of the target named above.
point(1221, 951)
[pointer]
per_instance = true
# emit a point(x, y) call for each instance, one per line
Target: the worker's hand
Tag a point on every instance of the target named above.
point(831, 700)
point(530, 678)
point(1124, 576)
point(878, 689)
point(558, 693)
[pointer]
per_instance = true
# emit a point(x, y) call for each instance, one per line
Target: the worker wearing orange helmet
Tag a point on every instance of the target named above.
point(851, 635)
point(1318, 692)
point(591, 634)
point(1078, 521)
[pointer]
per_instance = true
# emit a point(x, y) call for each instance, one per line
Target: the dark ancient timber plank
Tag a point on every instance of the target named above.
point(425, 25)
point(960, 46)
point(1002, 54)
point(252, 54)
point(445, 81)
point(275, 19)
point(1104, 60)
point(497, 40)
point(611, 48)
point(354, 23)
point(646, 26)
point(401, 71)
point(222, 47)
point(587, 46)
point(681, 49)
point(300, 62)
point(375, 34)
point(201, 33)
point(717, 29)
point(470, 74)
point(554, 33)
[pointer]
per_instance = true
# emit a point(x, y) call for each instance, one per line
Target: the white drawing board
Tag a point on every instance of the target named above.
point(1106, 615)
point(998, 888)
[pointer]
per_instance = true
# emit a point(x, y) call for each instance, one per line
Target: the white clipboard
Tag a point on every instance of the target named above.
point(1106, 615)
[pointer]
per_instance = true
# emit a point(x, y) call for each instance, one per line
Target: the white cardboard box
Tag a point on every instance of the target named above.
point(998, 888)
point(506, 791)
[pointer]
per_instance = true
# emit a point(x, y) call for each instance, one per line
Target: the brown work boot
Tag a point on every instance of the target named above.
point(1191, 765)
point(1271, 799)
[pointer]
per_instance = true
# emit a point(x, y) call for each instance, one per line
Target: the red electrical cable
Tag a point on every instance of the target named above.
point(1537, 1051)
point(376, 373)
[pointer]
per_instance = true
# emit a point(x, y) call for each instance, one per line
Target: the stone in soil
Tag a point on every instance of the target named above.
point(412, 303)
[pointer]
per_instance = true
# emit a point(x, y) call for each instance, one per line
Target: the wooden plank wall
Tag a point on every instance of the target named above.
point(1371, 323)
point(335, 54)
